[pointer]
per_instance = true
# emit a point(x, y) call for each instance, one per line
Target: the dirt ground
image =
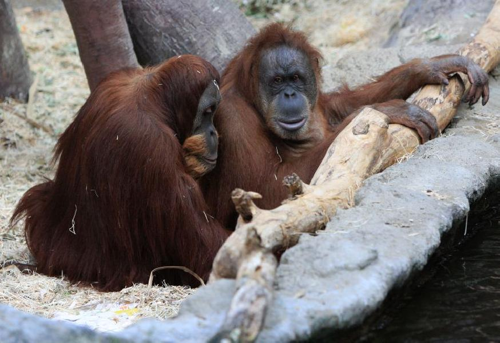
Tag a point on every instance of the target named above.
point(60, 88)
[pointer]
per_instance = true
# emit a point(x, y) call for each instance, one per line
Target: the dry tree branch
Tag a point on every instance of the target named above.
point(30, 121)
point(184, 269)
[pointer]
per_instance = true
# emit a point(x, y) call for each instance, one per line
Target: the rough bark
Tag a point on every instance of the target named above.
point(102, 36)
point(15, 77)
point(213, 29)
point(366, 146)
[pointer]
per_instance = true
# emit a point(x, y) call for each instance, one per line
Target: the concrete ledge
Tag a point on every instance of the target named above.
point(17, 326)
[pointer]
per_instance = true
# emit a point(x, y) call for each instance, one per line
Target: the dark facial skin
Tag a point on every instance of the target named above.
point(288, 91)
point(204, 124)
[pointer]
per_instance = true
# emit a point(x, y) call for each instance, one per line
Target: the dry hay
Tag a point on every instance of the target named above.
point(61, 88)
point(55, 298)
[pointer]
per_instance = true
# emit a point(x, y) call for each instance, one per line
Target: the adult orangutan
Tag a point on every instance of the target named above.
point(274, 120)
point(124, 199)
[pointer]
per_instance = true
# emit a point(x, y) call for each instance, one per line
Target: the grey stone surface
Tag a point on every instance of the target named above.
point(16, 326)
point(355, 69)
point(439, 22)
point(339, 277)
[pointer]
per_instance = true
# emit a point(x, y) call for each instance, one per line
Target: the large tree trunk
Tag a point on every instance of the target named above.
point(213, 29)
point(15, 77)
point(102, 36)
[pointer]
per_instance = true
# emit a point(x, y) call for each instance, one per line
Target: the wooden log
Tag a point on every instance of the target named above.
point(248, 252)
point(281, 227)
point(366, 146)
point(255, 290)
point(443, 101)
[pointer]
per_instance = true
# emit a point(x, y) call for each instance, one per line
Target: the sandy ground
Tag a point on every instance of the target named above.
point(61, 88)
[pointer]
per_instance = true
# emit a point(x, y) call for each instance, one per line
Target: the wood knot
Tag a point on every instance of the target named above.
point(361, 128)
point(252, 239)
point(294, 184)
point(243, 202)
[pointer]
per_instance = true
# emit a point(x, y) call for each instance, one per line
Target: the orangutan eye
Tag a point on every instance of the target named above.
point(210, 110)
point(295, 77)
point(278, 80)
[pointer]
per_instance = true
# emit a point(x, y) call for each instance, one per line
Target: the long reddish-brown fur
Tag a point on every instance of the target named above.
point(251, 157)
point(122, 202)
